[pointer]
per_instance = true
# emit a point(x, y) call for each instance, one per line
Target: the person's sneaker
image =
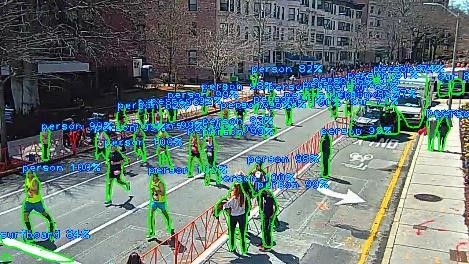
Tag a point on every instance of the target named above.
point(263, 249)
point(150, 236)
point(108, 202)
point(128, 186)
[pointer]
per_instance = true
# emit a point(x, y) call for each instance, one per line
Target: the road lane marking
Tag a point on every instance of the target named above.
point(141, 206)
point(71, 173)
point(81, 183)
point(384, 204)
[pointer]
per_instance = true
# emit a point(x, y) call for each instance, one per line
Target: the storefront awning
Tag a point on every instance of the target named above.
point(62, 66)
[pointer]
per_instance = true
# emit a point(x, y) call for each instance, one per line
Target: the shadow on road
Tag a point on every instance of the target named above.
point(126, 205)
point(286, 258)
point(339, 181)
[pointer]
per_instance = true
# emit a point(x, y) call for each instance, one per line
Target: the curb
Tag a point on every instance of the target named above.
point(400, 208)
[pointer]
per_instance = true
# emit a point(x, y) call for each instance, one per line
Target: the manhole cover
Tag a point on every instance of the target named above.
point(458, 256)
point(428, 197)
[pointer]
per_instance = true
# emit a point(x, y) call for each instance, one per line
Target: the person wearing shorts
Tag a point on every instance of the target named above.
point(116, 163)
point(194, 153)
point(102, 142)
point(158, 198)
point(33, 201)
point(211, 161)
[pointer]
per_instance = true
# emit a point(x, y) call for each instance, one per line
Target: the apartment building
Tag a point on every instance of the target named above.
point(289, 32)
point(297, 31)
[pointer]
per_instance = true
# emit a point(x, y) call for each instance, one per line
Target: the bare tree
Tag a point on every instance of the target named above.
point(52, 30)
point(221, 48)
point(169, 32)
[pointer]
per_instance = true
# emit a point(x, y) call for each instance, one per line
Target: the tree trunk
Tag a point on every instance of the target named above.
point(3, 128)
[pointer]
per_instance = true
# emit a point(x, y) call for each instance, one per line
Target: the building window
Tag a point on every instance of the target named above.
point(194, 29)
point(277, 56)
point(312, 20)
point(275, 10)
point(312, 37)
point(319, 38)
point(238, 31)
point(379, 12)
point(372, 9)
point(246, 33)
point(378, 23)
point(238, 7)
point(341, 26)
point(341, 10)
point(232, 5)
point(192, 57)
point(246, 8)
point(268, 35)
point(303, 18)
point(328, 41)
point(358, 14)
point(291, 13)
point(291, 34)
point(224, 28)
point(240, 67)
point(305, 2)
point(320, 4)
point(192, 5)
point(282, 36)
point(267, 10)
point(318, 55)
point(267, 57)
point(320, 21)
point(328, 7)
point(342, 41)
point(223, 5)
point(328, 23)
point(283, 13)
point(257, 7)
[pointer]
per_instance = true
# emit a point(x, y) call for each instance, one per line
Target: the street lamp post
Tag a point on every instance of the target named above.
point(453, 64)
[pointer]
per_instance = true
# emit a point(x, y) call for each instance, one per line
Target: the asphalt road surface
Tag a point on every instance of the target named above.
point(313, 229)
point(76, 200)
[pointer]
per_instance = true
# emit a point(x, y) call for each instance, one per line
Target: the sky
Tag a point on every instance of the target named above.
point(456, 2)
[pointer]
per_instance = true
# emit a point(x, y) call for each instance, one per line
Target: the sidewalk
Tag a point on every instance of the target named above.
point(429, 223)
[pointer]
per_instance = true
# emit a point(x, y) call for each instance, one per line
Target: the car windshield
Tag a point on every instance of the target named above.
point(409, 101)
point(371, 113)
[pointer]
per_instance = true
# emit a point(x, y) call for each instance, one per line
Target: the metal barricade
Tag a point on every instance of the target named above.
point(189, 242)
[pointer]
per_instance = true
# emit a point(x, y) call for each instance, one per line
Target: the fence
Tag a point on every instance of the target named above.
point(214, 227)
point(28, 151)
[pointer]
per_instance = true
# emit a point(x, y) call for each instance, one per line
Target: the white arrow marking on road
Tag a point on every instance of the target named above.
point(349, 198)
point(37, 251)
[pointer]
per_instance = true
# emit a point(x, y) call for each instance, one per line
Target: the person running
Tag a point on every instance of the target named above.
point(134, 258)
point(194, 152)
point(262, 179)
point(431, 132)
point(238, 207)
point(444, 126)
point(240, 112)
point(268, 210)
point(33, 202)
point(44, 138)
point(326, 146)
point(225, 127)
point(162, 150)
point(158, 198)
point(102, 145)
point(210, 152)
point(115, 164)
point(140, 149)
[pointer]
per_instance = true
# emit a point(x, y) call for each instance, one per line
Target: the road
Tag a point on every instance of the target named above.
point(76, 200)
point(313, 229)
